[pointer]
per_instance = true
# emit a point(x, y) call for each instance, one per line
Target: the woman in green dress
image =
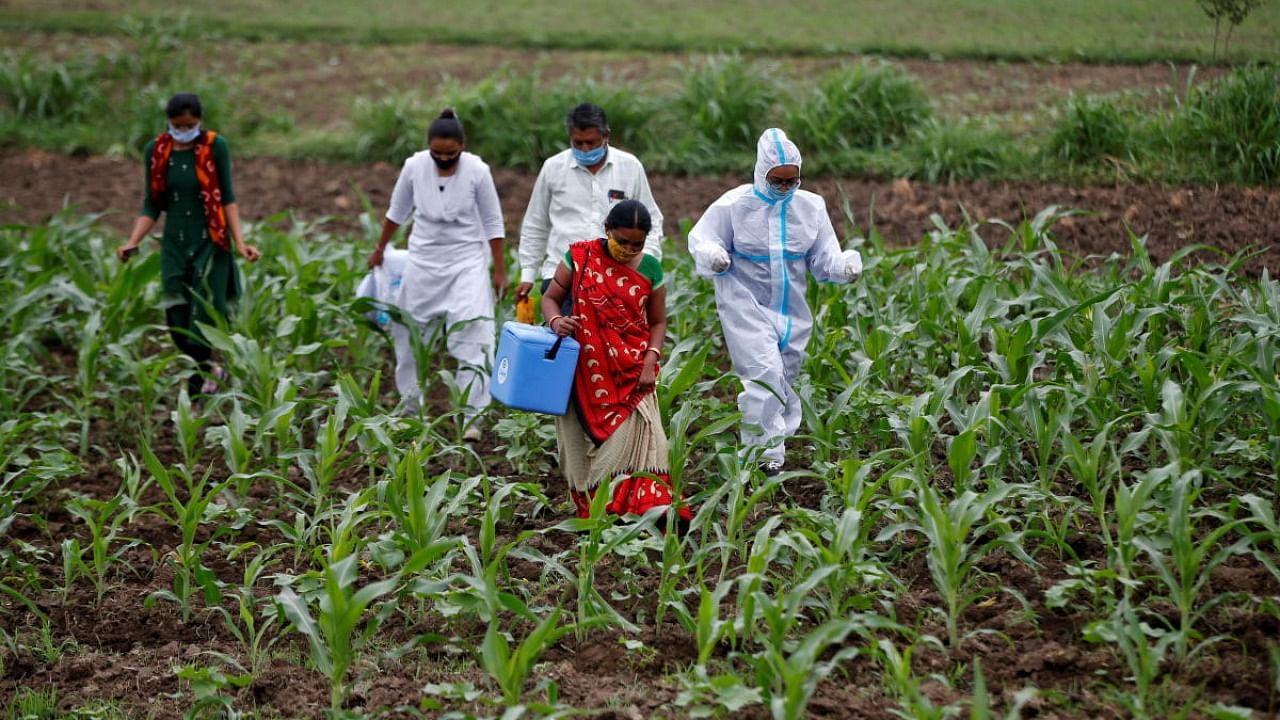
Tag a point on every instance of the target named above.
point(188, 177)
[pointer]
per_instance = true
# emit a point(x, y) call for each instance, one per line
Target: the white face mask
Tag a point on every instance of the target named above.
point(184, 136)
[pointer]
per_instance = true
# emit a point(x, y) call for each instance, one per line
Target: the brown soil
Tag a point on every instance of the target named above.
point(124, 651)
point(36, 184)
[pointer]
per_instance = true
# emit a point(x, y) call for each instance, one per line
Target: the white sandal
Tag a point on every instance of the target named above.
point(217, 375)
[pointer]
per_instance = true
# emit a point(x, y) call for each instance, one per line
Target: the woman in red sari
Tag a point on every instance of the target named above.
point(613, 428)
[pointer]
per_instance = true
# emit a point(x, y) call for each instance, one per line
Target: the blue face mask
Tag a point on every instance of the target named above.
point(778, 195)
point(587, 158)
point(184, 136)
point(779, 191)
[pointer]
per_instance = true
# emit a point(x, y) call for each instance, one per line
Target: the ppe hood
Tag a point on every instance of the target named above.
point(773, 149)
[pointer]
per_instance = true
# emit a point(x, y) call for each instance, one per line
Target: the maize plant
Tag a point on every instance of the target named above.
point(958, 537)
point(980, 401)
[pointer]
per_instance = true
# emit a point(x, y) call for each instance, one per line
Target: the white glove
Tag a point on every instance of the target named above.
point(717, 259)
point(852, 265)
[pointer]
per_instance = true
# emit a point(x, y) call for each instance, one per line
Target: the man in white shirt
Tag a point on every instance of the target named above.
point(573, 194)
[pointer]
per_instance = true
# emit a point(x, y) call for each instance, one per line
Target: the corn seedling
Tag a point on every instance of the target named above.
point(510, 667)
point(842, 543)
point(87, 378)
point(189, 426)
point(1143, 648)
point(254, 367)
point(682, 446)
point(321, 465)
point(741, 501)
point(794, 676)
point(418, 511)
point(275, 429)
point(231, 435)
point(1130, 508)
point(674, 569)
point(903, 684)
point(828, 424)
point(764, 550)
point(1193, 552)
point(594, 546)
point(342, 525)
point(710, 628)
point(494, 512)
point(187, 511)
point(958, 537)
point(253, 622)
point(148, 378)
point(341, 624)
point(103, 519)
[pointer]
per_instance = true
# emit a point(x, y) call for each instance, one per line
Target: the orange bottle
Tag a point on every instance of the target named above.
point(524, 310)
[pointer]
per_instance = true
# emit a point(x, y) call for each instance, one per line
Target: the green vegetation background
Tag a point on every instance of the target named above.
point(864, 117)
point(1093, 30)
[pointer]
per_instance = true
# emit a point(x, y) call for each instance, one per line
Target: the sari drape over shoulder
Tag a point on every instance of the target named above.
point(610, 300)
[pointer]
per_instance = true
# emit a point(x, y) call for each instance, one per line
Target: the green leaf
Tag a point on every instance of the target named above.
point(1047, 326)
point(295, 608)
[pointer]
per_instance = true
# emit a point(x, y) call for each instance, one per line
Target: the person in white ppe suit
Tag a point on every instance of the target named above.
point(457, 236)
point(756, 243)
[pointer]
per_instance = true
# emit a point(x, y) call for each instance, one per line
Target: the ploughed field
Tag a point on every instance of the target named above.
point(35, 184)
point(1038, 476)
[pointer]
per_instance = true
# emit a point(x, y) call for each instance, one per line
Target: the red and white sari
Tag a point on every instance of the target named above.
point(613, 428)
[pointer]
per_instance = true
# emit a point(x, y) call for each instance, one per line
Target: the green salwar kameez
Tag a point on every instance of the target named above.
point(193, 271)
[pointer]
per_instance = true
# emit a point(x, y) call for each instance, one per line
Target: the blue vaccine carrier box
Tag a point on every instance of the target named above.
point(532, 371)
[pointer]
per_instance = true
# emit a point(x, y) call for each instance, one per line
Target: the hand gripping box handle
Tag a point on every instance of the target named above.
point(533, 369)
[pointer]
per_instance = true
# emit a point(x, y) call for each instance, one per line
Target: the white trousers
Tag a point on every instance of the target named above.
point(770, 408)
point(470, 344)
point(769, 405)
point(461, 302)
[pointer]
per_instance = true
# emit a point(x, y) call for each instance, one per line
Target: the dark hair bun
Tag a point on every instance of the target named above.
point(446, 126)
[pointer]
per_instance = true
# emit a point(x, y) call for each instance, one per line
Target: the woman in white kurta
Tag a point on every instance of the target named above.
point(457, 236)
point(757, 243)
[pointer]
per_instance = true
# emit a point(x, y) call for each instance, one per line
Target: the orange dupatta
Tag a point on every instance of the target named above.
point(206, 174)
